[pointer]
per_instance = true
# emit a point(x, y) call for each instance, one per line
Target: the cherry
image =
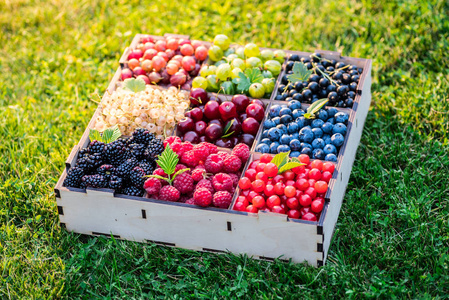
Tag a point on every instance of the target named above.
point(266, 158)
point(326, 176)
point(241, 102)
point(315, 174)
point(312, 182)
point(279, 188)
point(254, 164)
point(215, 121)
point(215, 98)
point(191, 136)
point(311, 192)
point(204, 138)
point(198, 96)
point(227, 110)
point(289, 175)
point(273, 201)
point(240, 206)
point(270, 169)
point(250, 125)
point(244, 183)
point(290, 183)
point(245, 192)
point(251, 209)
point(246, 138)
point(309, 217)
point(293, 213)
point(298, 170)
point(243, 117)
point(321, 186)
point(255, 111)
point(251, 174)
point(224, 143)
point(234, 140)
point(258, 185)
point(302, 184)
point(259, 202)
point(260, 166)
point(243, 200)
point(305, 200)
point(200, 127)
point(185, 125)
point(196, 114)
point(292, 203)
point(269, 190)
point(214, 131)
point(304, 210)
point(278, 209)
point(251, 195)
point(262, 176)
point(235, 126)
point(290, 191)
point(211, 110)
point(257, 101)
point(317, 164)
point(304, 158)
point(278, 178)
point(328, 167)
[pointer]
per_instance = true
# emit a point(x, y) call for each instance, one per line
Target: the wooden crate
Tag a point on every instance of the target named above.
point(263, 235)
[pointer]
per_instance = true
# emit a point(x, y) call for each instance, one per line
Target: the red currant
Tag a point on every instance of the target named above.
point(258, 185)
point(289, 175)
point(305, 200)
point(258, 202)
point(260, 167)
point(262, 176)
point(266, 158)
point(302, 184)
point(317, 164)
point(279, 188)
point(273, 201)
point(304, 158)
point(328, 167)
point(278, 209)
point(292, 203)
point(290, 191)
point(321, 186)
point(269, 190)
point(251, 209)
point(270, 169)
point(315, 174)
point(309, 217)
point(244, 183)
point(311, 192)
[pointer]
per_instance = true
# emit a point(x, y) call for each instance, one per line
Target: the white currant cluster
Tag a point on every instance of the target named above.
point(154, 109)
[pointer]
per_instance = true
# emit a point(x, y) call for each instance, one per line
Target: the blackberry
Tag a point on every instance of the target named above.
point(136, 150)
point(106, 170)
point(142, 136)
point(94, 181)
point(95, 160)
point(83, 163)
point(83, 153)
point(115, 182)
point(96, 147)
point(137, 177)
point(125, 168)
point(73, 178)
point(132, 191)
point(147, 167)
point(155, 148)
point(115, 152)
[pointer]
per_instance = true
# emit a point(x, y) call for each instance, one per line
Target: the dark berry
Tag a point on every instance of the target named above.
point(73, 178)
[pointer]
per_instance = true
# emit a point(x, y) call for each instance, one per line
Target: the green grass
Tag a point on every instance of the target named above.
point(392, 235)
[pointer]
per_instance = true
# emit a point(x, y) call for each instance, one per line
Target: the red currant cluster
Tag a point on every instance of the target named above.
point(298, 192)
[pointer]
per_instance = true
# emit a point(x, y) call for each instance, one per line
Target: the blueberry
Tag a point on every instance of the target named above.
point(327, 139)
point(288, 99)
point(274, 147)
point(317, 132)
point(306, 145)
point(297, 97)
point(263, 148)
point(318, 154)
point(302, 122)
point(268, 124)
point(331, 120)
point(318, 143)
point(294, 104)
point(322, 114)
point(278, 97)
point(285, 111)
point(276, 120)
point(264, 134)
point(282, 128)
point(294, 135)
point(331, 157)
point(306, 135)
point(327, 127)
point(285, 119)
point(337, 139)
point(283, 148)
point(285, 139)
point(295, 145)
point(308, 127)
point(292, 127)
point(265, 141)
point(274, 111)
point(329, 148)
point(295, 153)
point(274, 134)
point(339, 128)
point(317, 123)
point(307, 151)
point(331, 111)
point(298, 113)
point(341, 117)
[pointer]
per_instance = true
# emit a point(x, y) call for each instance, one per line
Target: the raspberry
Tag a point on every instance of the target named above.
point(222, 182)
point(189, 159)
point(160, 172)
point(214, 164)
point(201, 152)
point(190, 201)
point(223, 155)
point(235, 179)
point(198, 174)
point(222, 199)
point(152, 186)
point(171, 140)
point(177, 148)
point(241, 151)
point(186, 146)
point(180, 167)
point(169, 193)
point(205, 184)
point(183, 183)
point(232, 164)
point(211, 147)
point(202, 197)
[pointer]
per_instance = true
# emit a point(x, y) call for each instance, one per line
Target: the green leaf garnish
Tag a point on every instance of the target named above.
point(243, 83)
point(254, 75)
point(288, 166)
point(168, 161)
point(134, 85)
point(314, 108)
point(228, 126)
point(280, 159)
point(285, 163)
point(300, 72)
point(108, 136)
point(180, 172)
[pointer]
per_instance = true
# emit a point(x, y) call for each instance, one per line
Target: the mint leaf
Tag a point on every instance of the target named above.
point(300, 72)
point(314, 108)
point(243, 83)
point(254, 75)
point(134, 85)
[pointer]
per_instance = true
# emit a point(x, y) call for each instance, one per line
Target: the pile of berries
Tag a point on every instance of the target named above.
point(120, 165)
point(224, 123)
point(168, 61)
point(298, 192)
point(286, 129)
point(210, 179)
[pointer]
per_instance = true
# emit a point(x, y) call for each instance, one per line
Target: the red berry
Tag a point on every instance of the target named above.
point(304, 210)
point(302, 184)
point(317, 164)
point(269, 190)
point(293, 213)
point(315, 174)
point(243, 200)
point(205, 184)
point(321, 186)
point(235, 179)
point(290, 183)
point(266, 158)
point(190, 159)
point(222, 182)
point(222, 199)
point(184, 183)
point(328, 167)
point(202, 197)
point(232, 164)
point(258, 185)
point(279, 188)
point(258, 202)
point(311, 192)
point(312, 182)
point(326, 176)
point(278, 209)
point(214, 164)
point(309, 217)
point(254, 164)
point(241, 151)
point(201, 151)
point(278, 178)
point(198, 173)
point(270, 169)
point(152, 186)
point(262, 176)
point(273, 201)
point(251, 209)
point(316, 206)
point(169, 193)
point(251, 174)
point(304, 158)
point(260, 167)
point(240, 206)
point(289, 175)
point(290, 191)
point(292, 203)
point(244, 183)
point(299, 170)
point(251, 195)
point(305, 200)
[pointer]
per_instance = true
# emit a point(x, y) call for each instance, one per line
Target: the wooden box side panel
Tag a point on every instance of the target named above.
point(266, 235)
